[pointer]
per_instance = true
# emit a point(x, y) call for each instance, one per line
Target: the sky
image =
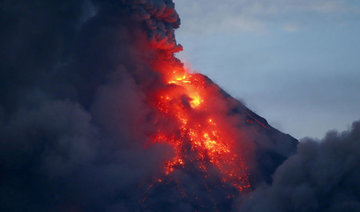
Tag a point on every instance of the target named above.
point(294, 62)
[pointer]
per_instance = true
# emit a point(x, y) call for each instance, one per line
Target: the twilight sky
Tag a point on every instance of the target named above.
point(294, 62)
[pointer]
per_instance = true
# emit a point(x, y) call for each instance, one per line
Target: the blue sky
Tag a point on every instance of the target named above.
point(294, 62)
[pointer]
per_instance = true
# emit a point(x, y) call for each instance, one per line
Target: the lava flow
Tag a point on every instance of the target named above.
point(194, 122)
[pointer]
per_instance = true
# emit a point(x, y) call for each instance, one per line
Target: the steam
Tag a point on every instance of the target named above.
point(322, 176)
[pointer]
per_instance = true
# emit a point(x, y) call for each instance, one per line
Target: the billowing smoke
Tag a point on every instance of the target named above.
point(322, 176)
point(72, 115)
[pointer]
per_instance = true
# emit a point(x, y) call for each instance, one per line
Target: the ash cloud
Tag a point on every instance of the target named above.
point(322, 176)
point(72, 114)
point(54, 158)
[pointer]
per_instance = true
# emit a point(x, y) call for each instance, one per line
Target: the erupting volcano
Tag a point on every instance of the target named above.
point(196, 127)
point(215, 140)
point(98, 114)
point(102, 115)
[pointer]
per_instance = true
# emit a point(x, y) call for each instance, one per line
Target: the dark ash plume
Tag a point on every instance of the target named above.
point(72, 115)
point(322, 176)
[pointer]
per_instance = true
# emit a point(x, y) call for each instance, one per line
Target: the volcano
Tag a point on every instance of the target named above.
point(217, 141)
point(220, 148)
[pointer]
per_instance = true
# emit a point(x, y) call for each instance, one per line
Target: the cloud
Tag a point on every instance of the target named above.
point(70, 70)
point(321, 176)
point(234, 15)
point(54, 157)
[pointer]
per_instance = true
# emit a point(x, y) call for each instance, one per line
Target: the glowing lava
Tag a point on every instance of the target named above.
point(194, 122)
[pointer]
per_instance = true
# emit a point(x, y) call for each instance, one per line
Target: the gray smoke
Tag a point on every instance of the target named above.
point(322, 176)
point(73, 118)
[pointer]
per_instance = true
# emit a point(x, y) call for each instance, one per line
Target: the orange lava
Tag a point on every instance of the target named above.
point(193, 121)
